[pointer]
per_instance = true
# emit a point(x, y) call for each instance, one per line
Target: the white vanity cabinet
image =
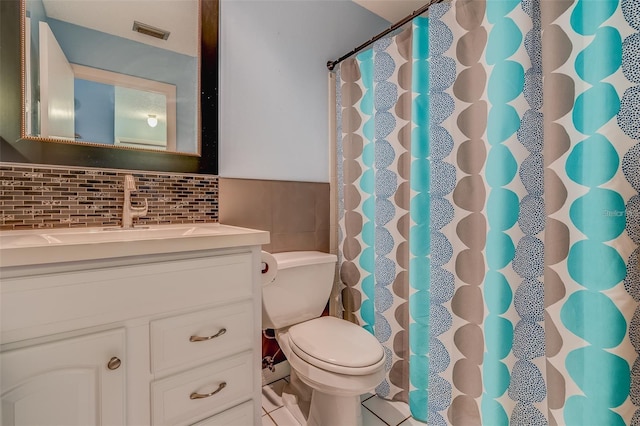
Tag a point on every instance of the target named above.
point(149, 339)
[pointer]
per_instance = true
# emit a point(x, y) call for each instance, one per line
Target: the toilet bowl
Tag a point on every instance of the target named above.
point(333, 361)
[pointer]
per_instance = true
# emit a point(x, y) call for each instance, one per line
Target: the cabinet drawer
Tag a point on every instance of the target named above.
point(171, 402)
point(119, 293)
point(180, 340)
point(242, 415)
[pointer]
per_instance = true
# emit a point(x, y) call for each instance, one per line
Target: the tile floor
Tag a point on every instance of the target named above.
point(376, 411)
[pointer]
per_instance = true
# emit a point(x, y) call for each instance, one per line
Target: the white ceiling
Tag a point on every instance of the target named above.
point(180, 17)
point(392, 10)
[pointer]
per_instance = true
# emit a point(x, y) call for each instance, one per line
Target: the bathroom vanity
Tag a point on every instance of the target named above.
point(157, 326)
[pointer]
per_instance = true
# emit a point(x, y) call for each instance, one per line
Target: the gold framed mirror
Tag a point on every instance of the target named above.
point(118, 75)
point(14, 148)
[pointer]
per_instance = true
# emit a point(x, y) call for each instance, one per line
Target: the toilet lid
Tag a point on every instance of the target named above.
point(330, 341)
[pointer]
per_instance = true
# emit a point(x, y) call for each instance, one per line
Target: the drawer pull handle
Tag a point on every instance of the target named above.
point(197, 395)
point(114, 363)
point(202, 339)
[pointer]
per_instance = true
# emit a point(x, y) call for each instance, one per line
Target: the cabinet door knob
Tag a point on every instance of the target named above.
point(114, 363)
point(201, 339)
point(197, 395)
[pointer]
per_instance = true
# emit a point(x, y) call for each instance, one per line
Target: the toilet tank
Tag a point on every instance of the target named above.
point(300, 290)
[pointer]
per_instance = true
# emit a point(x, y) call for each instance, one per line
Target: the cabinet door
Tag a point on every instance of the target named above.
point(68, 382)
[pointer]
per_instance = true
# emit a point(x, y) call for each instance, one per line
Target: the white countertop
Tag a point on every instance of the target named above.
point(44, 246)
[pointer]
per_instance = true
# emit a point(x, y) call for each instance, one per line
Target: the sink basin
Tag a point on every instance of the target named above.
point(22, 240)
point(90, 235)
point(100, 235)
point(53, 245)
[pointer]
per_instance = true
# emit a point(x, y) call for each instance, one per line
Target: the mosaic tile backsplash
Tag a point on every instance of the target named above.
point(34, 196)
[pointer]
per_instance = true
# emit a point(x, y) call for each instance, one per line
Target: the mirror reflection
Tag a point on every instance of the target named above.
point(114, 73)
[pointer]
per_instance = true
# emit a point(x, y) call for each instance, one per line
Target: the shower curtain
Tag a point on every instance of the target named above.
point(488, 169)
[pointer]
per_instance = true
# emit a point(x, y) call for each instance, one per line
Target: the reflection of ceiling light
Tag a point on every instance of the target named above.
point(152, 121)
point(150, 31)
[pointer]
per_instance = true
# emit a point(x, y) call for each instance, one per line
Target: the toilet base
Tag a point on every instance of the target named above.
point(317, 397)
point(311, 407)
point(296, 397)
point(334, 410)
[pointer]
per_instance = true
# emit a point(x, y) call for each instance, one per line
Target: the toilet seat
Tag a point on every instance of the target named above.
point(336, 345)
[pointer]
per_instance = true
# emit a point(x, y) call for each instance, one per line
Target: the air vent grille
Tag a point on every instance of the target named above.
point(150, 31)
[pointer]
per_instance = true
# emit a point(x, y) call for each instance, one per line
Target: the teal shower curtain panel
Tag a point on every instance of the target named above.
point(488, 174)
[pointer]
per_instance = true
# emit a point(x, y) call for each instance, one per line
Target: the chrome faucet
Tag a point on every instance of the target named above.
point(128, 211)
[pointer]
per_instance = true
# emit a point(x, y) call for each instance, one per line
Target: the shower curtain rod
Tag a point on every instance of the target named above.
point(332, 64)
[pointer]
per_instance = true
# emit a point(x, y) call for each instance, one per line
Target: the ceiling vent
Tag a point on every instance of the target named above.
point(150, 31)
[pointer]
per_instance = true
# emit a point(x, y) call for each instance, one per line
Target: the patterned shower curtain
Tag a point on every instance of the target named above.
point(489, 217)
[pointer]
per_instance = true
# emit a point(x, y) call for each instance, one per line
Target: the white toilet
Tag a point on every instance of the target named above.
point(333, 361)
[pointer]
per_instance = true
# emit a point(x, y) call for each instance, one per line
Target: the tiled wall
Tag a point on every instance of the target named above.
point(295, 213)
point(34, 196)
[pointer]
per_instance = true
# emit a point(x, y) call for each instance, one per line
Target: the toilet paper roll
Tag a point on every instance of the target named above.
point(269, 267)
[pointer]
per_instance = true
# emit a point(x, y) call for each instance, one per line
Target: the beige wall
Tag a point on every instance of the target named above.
point(295, 213)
